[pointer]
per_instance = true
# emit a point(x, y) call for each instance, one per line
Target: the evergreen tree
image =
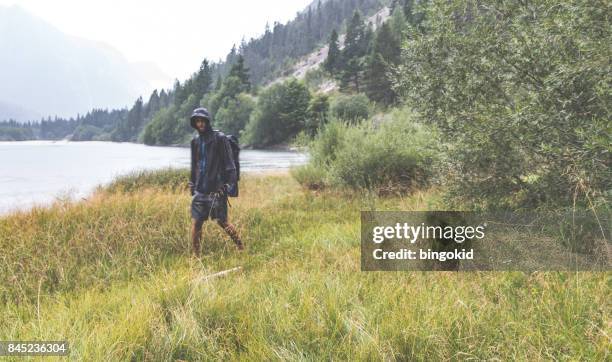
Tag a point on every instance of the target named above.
point(218, 83)
point(203, 80)
point(385, 54)
point(153, 105)
point(354, 43)
point(309, 32)
point(355, 47)
point(230, 59)
point(398, 24)
point(179, 94)
point(164, 99)
point(332, 62)
point(320, 24)
point(393, 6)
point(241, 72)
point(408, 10)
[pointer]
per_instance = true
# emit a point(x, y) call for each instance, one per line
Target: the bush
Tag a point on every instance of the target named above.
point(318, 112)
point(351, 108)
point(397, 156)
point(233, 117)
point(16, 134)
point(86, 132)
point(309, 176)
point(523, 90)
point(281, 113)
point(314, 78)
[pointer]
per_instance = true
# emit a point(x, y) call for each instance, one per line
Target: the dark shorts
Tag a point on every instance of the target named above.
point(203, 206)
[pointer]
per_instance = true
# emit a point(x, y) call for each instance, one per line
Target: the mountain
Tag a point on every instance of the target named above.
point(46, 72)
point(153, 74)
point(16, 112)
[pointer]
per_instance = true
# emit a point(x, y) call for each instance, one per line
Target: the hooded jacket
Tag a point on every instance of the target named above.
point(220, 167)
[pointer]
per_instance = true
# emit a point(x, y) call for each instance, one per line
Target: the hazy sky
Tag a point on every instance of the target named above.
point(175, 34)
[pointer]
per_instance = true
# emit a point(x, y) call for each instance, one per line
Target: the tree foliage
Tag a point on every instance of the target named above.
point(282, 111)
point(233, 117)
point(522, 89)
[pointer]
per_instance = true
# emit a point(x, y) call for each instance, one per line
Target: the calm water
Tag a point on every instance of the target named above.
point(37, 172)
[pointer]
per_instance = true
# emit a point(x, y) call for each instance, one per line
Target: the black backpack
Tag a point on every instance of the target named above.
point(233, 141)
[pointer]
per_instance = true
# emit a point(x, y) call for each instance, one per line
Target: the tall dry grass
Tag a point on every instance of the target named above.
point(112, 275)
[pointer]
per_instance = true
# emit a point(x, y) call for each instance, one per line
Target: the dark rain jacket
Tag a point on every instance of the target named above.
point(220, 167)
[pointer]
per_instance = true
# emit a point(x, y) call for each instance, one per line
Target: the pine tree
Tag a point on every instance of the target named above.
point(135, 118)
point(350, 78)
point(164, 99)
point(153, 105)
point(332, 62)
point(386, 44)
point(398, 24)
point(203, 80)
point(218, 82)
point(385, 53)
point(393, 6)
point(355, 47)
point(320, 24)
point(241, 72)
point(178, 92)
point(309, 32)
point(231, 56)
point(408, 9)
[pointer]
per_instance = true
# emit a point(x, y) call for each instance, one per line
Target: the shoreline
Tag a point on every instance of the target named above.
point(282, 147)
point(77, 197)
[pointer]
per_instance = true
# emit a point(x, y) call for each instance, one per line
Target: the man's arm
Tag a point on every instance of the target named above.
point(230, 174)
point(192, 178)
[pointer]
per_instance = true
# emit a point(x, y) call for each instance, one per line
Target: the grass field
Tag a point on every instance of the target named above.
point(113, 276)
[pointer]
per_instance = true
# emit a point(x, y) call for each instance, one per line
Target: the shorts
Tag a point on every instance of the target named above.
point(204, 206)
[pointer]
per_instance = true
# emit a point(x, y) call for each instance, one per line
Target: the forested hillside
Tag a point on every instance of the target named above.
point(262, 59)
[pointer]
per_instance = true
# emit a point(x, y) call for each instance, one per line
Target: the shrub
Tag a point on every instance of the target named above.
point(351, 108)
point(318, 112)
point(309, 176)
point(523, 89)
point(233, 117)
point(314, 78)
point(281, 113)
point(86, 132)
point(397, 156)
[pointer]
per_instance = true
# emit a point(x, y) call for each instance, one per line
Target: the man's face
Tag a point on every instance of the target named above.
point(200, 124)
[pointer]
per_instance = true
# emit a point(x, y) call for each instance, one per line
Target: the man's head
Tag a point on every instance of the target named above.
point(200, 120)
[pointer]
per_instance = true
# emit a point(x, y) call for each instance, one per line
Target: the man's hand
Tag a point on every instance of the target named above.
point(191, 187)
point(224, 188)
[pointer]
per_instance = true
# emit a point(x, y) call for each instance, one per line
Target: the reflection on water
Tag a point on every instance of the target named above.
point(36, 172)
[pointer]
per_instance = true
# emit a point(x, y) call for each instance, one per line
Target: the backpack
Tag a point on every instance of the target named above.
point(235, 146)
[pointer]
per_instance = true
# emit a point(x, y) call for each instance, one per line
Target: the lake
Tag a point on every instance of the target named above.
point(37, 172)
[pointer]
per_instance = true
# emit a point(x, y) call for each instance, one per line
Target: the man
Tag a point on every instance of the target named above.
point(212, 172)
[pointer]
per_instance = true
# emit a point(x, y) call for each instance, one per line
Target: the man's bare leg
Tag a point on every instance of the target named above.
point(232, 232)
point(196, 236)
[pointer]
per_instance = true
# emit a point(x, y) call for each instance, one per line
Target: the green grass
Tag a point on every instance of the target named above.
point(113, 276)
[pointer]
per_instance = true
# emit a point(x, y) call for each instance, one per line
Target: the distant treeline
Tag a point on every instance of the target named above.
point(52, 129)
